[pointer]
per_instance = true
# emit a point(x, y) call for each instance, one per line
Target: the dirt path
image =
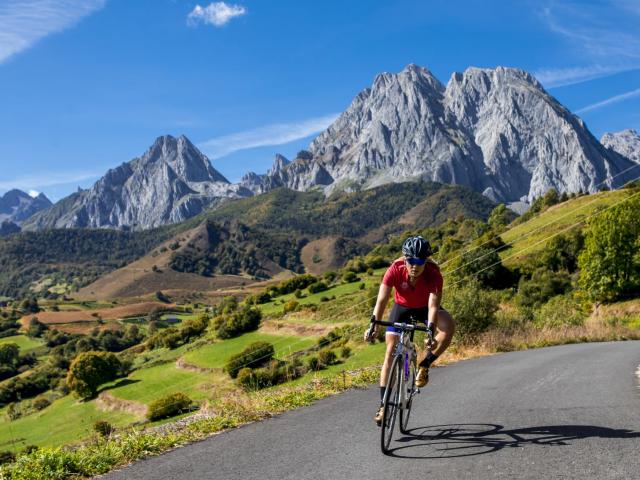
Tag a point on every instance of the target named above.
point(108, 403)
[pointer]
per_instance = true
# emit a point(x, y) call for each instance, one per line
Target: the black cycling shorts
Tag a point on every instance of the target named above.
point(400, 313)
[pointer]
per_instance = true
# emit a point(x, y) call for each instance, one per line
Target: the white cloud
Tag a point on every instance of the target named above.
point(603, 35)
point(216, 14)
point(47, 179)
point(615, 99)
point(560, 77)
point(277, 134)
point(25, 22)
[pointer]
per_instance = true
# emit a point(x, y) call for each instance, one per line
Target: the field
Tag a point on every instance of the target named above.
point(26, 344)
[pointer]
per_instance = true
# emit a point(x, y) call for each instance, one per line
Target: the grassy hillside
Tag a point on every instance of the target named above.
point(529, 238)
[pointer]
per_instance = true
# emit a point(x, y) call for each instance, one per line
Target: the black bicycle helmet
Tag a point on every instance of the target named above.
point(416, 247)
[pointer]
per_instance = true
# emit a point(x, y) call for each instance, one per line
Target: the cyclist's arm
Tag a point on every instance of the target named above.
point(434, 306)
point(384, 293)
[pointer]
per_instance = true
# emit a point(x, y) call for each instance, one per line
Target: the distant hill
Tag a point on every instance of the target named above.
point(252, 238)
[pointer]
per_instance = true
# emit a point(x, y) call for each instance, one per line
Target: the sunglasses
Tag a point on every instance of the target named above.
point(415, 261)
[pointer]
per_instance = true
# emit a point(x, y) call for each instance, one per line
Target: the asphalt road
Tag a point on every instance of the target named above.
point(554, 413)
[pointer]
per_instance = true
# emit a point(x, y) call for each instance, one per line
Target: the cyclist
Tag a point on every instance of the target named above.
point(418, 291)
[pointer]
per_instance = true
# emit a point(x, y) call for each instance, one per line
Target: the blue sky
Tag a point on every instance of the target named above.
point(86, 85)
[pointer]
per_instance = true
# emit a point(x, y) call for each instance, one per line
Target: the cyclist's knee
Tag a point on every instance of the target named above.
point(446, 323)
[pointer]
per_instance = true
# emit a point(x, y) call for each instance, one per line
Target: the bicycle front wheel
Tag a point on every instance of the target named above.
point(410, 391)
point(391, 404)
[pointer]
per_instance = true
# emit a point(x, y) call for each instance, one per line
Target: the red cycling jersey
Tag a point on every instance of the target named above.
point(429, 281)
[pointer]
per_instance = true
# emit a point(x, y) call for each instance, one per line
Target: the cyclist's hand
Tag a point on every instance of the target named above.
point(370, 335)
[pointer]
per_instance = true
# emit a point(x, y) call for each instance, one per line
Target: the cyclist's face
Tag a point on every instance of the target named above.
point(414, 270)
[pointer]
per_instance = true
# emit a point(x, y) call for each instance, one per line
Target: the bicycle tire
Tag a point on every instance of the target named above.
point(410, 386)
point(391, 404)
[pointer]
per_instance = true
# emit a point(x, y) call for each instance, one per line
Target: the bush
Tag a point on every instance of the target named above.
point(255, 355)
point(472, 308)
point(314, 364)
point(291, 306)
point(317, 287)
point(102, 428)
point(169, 406)
point(349, 277)
point(542, 285)
point(7, 457)
point(345, 352)
point(561, 311)
point(327, 357)
point(247, 319)
point(40, 403)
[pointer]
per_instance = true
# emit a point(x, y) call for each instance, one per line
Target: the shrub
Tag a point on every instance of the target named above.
point(561, 311)
point(169, 406)
point(317, 287)
point(102, 428)
point(291, 306)
point(7, 457)
point(40, 403)
point(349, 277)
point(255, 355)
point(327, 357)
point(472, 308)
point(244, 320)
point(314, 364)
point(542, 285)
point(345, 352)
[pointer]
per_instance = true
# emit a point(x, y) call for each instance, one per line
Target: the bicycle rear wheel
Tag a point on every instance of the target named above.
point(391, 404)
point(410, 390)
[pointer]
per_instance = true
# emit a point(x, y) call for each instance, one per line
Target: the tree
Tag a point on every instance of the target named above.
point(9, 354)
point(500, 217)
point(610, 262)
point(91, 369)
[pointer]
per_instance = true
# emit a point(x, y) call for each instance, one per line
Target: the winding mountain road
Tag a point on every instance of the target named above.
point(554, 413)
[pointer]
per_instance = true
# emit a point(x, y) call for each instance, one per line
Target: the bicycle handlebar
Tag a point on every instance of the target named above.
point(401, 325)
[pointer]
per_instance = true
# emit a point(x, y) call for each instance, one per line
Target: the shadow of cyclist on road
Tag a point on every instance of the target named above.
point(463, 440)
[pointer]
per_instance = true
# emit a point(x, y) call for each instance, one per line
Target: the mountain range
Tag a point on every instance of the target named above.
point(495, 130)
point(17, 206)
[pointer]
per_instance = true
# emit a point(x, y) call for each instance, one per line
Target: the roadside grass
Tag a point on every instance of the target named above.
point(529, 237)
point(26, 344)
point(66, 420)
point(215, 355)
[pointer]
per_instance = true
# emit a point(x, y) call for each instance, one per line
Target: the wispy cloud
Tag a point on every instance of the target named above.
point(277, 134)
point(25, 22)
point(609, 101)
point(216, 14)
point(603, 34)
point(47, 179)
point(560, 77)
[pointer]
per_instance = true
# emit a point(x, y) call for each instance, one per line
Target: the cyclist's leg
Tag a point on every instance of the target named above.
point(446, 329)
point(391, 338)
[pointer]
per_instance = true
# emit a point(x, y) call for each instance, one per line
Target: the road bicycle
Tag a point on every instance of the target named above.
point(400, 388)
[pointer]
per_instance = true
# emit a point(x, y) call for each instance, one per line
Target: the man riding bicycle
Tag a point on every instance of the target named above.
point(418, 292)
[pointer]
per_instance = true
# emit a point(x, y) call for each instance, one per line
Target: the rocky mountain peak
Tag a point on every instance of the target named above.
point(625, 142)
point(170, 182)
point(17, 206)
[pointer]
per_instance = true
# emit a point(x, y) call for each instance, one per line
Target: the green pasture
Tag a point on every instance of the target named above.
point(530, 237)
point(148, 384)
point(277, 305)
point(25, 343)
point(215, 355)
point(65, 421)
